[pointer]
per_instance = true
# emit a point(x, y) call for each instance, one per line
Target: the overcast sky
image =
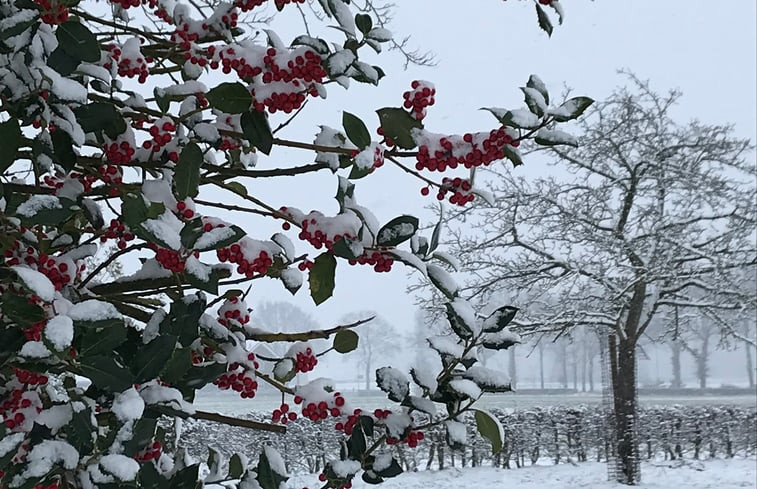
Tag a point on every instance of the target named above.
point(484, 54)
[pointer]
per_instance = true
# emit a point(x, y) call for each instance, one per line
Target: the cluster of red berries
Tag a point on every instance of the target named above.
point(304, 264)
point(280, 3)
point(412, 439)
point(151, 452)
point(470, 150)
point(381, 413)
point(305, 361)
point(243, 382)
point(317, 238)
point(134, 66)
point(52, 485)
point(117, 230)
point(34, 332)
point(283, 415)
point(30, 378)
point(419, 98)
point(169, 259)
point(183, 210)
point(201, 356)
point(246, 265)
point(161, 135)
point(349, 424)
point(60, 272)
point(379, 261)
point(460, 189)
point(119, 153)
point(111, 175)
point(233, 309)
point(53, 11)
point(322, 410)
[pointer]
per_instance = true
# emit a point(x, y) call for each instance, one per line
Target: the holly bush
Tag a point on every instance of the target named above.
point(117, 121)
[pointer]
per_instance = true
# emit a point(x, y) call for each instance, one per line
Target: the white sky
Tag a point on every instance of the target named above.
point(706, 49)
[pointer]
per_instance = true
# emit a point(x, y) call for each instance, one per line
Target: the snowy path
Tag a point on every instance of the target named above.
point(712, 474)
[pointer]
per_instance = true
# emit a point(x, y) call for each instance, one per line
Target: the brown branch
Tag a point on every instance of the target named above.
point(243, 423)
point(306, 335)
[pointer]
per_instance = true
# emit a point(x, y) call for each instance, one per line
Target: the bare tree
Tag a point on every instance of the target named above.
point(378, 342)
point(653, 215)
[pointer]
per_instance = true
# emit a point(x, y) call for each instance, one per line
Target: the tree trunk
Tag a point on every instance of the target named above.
point(541, 365)
point(575, 369)
point(512, 368)
point(624, 390)
point(749, 364)
point(564, 372)
point(591, 373)
point(675, 358)
point(368, 372)
point(584, 366)
point(703, 360)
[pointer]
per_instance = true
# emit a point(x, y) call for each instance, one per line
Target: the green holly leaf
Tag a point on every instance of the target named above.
point(78, 42)
point(397, 231)
point(257, 131)
point(187, 174)
point(356, 130)
point(397, 125)
point(10, 135)
point(321, 277)
point(490, 428)
point(572, 109)
point(232, 98)
point(346, 341)
point(543, 18)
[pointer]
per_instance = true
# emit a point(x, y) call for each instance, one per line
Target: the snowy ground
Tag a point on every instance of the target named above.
point(228, 402)
point(711, 474)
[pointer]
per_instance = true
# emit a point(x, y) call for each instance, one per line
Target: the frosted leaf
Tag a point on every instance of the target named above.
point(93, 310)
point(128, 405)
point(380, 34)
point(466, 387)
point(345, 469)
point(275, 461)
point(442, 280)
point(59, 331)
point(37, 203)
point(43, 456)
point(537, 98)
point(488, 380)
point(457, 432)
point(555, 137)
point(393, 382)
point(397, 423)
point(10, 442)
point(121, 467)
point(34, 349)
point(37, 282)
point(292, 279)
point(422, 404)
point(524, 118)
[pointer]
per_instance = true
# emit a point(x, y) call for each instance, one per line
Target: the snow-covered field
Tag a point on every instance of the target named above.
point(711, 474)
point(228, 402)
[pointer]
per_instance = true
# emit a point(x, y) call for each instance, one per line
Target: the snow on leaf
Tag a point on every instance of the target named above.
point(37, 282)
point(59, 331)
point(393, 382)
point(442, 280)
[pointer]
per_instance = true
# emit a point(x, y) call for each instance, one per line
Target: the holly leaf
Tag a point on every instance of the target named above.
point(356, 130)
point(543, 18)
point(398, 230)
point(106, 373)
point(397, 125)
point(321, 277)
point(346, 341)
point(100, 116)
point(364, 23)
point(187, 173)
point(572, 109)
point(151, 359)
point(490, 428)
point(257, 131)
point(232, 98)
point(10, 135)
point(78, 42)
